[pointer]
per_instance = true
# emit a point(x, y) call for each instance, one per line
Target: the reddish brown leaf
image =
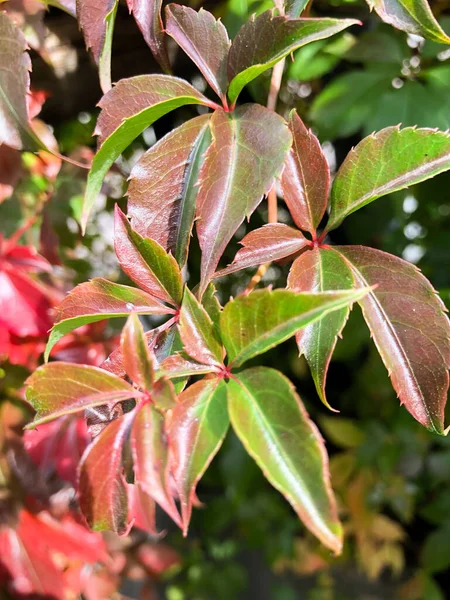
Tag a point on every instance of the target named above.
point(136, 356)
point(205, 41)
point(151, 458)
point(409, 327)
point(10, 170)
point(271, 242)
point(163, 395)
point(141, 509)
point(146, 262)
point(180, 365)
point(102, 489)
point(148, 17)
point(246, 154)
point(306, 177)
point(162, 194)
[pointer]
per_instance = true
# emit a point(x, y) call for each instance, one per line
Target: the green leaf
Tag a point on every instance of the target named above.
point(412, 16)
point(246, 154)
point(321, 270)
point(198, 426)
point(59, 389)
point(436, 550)
point(151, 458)
point(97, 300)
point(198, 333)
point(343, 433)
point(265, 40)
point(127, 110)
point(137, 361)
point(205, 41)
point(251, 325)
point(274, 427)
point(146, 262)
point(410, 329)
point(102, 490)
point(386, 162)
point(162, 194)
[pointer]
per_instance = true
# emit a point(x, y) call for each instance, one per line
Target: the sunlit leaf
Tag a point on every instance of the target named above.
point(102, 490)
point(100, 299)
point(267, 39)
point(385, 162)
point(136, 357)
point(162, 194)
point(61, 388)
point(410, 329)
point(251, 325)
point(274, 427)
point(146, 262)
point(321, 270)
point(306, 177)
point(198, 333)
point(127, 110)
point(96, 20)
point(180, 365)
point(266, 244)
point(246, 154)
point(198, 427)
point(151, 458)
point(148, 17)
point(412, 16)
point(163, 395)
point(205, 41)
point(294, 8)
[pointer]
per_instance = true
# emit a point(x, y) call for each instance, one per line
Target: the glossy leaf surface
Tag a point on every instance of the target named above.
point(412, 16)
point(137, 361)
point(151, 458)
point(321, 270)
point(306, 177)
point(96, 19)
point(102, 489)
point(198, 333)
point(60, 389)
point(129, 108)
point(410, 329)
point(148, 17)
point(266, 244)
point(162, 193)
point(146, 262)
point(251, 325)
point(267, 39)
point(385, 162)
point(180, 365)
point(205, 41)
point(100, 299)
point(246, 154)
point(274, 427)
point(294, 8)
point(14, 83)
point(198, 426)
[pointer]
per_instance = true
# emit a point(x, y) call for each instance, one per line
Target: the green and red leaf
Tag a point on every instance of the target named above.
point(321, 270)
point(270, 420)
point(251, 325)
point(162, 193)
point(147, 14)
point(198, 333)
point(127, 110)
point(205, 41)
point(271, 242)
point(146, 262)
point(410, 329)
point(246, 154)
point(102, 489)
point(266, 39)
point(58, 389)
point(100, 299)
point(198, 426)
point(386, 162)
point(306, 177)
point(137, 361)
point(151, 458)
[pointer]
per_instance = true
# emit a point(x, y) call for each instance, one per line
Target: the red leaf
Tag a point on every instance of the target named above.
point(103, 493)
point(136, 357)
point(148, 17)
point(306, 177)
point(151, 458)
point(267, 244)
point(141, 509)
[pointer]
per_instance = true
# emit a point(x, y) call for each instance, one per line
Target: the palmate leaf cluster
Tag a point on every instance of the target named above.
point(188, 378)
